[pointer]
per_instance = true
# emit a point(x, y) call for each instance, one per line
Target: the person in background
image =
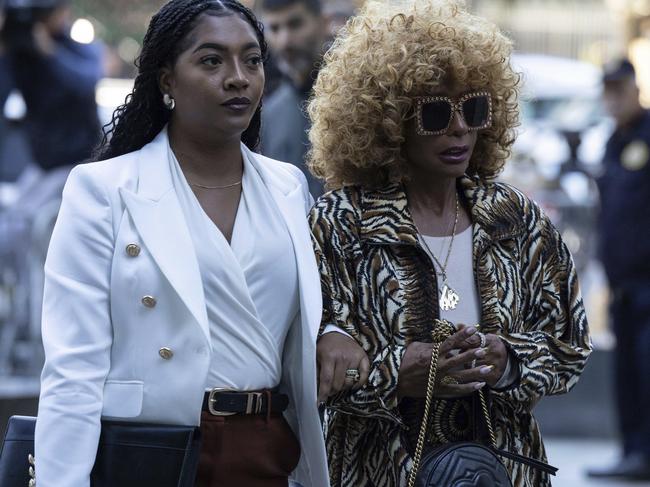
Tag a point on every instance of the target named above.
point(624, 245)
point(56, 76)
point(338, 12)
point(297, 33)
point(47, 93)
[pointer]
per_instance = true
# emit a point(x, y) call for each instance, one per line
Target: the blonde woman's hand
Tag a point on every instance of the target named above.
point(336, 353)
point(491, 360)
point(414, 371)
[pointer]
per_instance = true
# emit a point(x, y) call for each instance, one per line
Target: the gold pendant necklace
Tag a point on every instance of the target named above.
point(449, 298)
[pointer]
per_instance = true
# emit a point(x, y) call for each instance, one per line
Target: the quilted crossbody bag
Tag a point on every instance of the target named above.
point(461, 464)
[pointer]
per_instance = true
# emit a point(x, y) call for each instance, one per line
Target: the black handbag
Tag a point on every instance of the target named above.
point(128, 455)
point(461, 464)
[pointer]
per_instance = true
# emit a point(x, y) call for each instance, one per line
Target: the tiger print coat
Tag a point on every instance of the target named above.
point(380, 286)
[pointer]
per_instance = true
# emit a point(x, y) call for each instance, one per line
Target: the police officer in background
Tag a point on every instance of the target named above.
point(56, 77)
point(624, 241)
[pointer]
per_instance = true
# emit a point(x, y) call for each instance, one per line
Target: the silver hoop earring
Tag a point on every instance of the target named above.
point(169, 102)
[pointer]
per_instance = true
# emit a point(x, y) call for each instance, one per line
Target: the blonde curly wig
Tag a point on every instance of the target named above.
point(386, 56)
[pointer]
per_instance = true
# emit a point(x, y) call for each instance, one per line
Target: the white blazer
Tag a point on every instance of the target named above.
point(112, 353)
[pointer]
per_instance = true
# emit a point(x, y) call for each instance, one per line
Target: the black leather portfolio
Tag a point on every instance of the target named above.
point(129, 455)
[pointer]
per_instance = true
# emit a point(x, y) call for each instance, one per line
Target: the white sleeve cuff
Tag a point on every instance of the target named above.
point(509, 375)
point(336, 329)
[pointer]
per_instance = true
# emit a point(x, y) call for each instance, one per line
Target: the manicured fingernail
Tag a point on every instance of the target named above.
point(480, 385)
point(480, 353)
point(486, 369)
point(470, 331)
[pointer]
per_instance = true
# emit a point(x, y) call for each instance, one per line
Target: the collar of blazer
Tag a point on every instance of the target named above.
point(158, 217)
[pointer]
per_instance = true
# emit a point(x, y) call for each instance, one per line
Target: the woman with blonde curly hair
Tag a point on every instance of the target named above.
point(414, 115)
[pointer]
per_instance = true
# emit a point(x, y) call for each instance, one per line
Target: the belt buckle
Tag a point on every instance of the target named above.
point(258, 403)
point(212, 400)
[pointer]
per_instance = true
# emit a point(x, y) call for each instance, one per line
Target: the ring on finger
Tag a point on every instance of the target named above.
point(353, 375)
point(448, 380)
point(483, 339)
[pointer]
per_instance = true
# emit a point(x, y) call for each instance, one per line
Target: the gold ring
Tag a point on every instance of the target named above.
point(448, 380)
point(353, 374)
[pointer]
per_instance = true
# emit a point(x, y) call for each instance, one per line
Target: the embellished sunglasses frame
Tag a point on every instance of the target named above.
point(456, 108)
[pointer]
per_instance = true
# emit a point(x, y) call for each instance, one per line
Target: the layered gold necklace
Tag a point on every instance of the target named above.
point(448, 298)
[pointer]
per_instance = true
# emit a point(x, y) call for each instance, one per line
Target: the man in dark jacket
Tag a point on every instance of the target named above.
point(56, 77)
point(624, 238)
point(297, 33)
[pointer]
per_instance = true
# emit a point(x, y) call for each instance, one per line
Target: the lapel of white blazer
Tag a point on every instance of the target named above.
point(159, 219)
point(291, 202)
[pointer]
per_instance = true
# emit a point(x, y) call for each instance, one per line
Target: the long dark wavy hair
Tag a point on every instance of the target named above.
point(143, 114)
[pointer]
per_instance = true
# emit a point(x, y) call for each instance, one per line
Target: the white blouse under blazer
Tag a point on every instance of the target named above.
point(125, 326)
point(250, 284)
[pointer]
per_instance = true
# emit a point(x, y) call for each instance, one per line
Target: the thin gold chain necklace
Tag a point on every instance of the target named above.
point(214, 187)
point(203, 186)
point(449, 298)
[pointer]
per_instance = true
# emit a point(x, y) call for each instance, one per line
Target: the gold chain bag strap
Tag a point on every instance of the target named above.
point(459, 461)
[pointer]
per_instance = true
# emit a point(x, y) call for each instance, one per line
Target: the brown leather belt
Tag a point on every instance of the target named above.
point(225, 402)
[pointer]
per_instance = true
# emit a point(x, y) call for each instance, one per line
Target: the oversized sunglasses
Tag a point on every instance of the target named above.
point(435, 113)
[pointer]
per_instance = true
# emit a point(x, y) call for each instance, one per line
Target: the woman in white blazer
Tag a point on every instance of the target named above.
point(182, 265)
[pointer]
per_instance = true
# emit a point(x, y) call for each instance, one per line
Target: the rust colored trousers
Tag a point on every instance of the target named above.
point(246, 451)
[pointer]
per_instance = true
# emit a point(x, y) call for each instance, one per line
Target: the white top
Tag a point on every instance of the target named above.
point(460, 277)
point(251, 285)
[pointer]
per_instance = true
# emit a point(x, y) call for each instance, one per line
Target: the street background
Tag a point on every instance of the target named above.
point(561, 47)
